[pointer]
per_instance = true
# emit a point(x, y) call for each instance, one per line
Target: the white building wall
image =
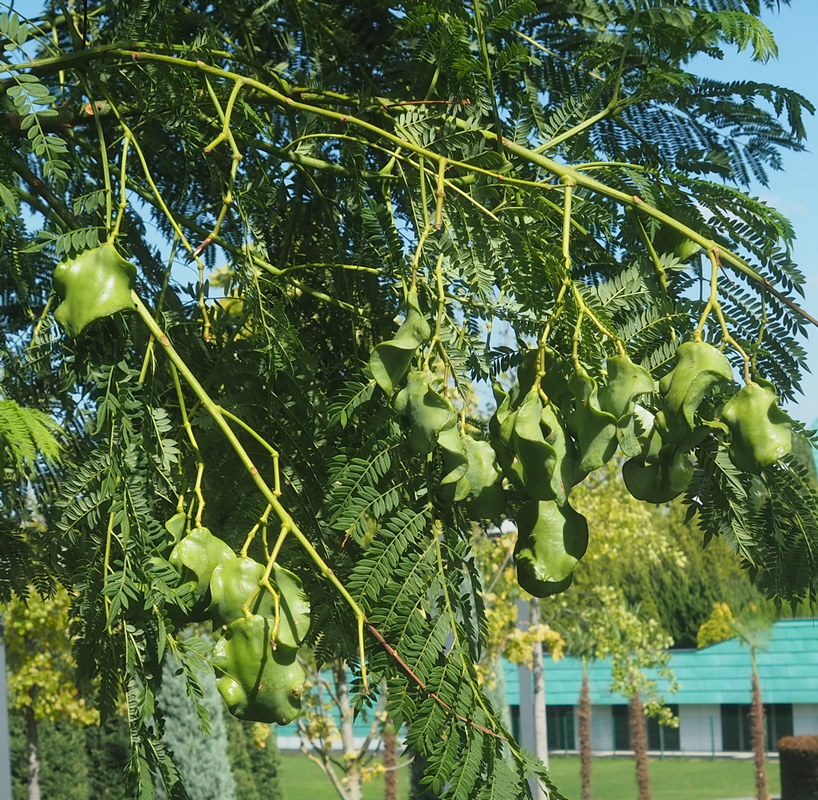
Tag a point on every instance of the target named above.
point(601, 728)
point(805, 719)
point(699, 728)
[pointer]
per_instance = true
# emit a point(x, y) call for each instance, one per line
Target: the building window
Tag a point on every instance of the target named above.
point(736, 729)
point(660, 737)
point(514, 713)
point(621, 728)
point(664, 737)
point(779, 722)
point(561, 727)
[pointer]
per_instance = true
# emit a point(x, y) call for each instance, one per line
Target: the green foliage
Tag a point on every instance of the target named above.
point(76, 762)
point(41, 669)
point(64, 767)
point(107, 749)
point(718, 626)
point(255, 761)
point(27, 434)
point(409, 183)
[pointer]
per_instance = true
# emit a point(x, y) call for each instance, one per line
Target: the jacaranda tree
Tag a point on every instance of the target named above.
point(259, 261)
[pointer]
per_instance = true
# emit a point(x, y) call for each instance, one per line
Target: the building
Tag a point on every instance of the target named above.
point(712, 701)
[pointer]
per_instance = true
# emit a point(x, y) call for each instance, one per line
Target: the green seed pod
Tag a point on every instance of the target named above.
point(196, 556)
point(390, 360)
point(699, 368)
point(594, 429)
point(554, 382)
point(544, 466)
point(486, 498)
point(660, 474)
point(626, 381)
point(760, 432)
point(95, 284)
point(500, 430)
point(175, 526)
point(236, 582)
point(455, 462)
point(428, 411)
point(551, 539)
point(258, 682)
point(233, 583)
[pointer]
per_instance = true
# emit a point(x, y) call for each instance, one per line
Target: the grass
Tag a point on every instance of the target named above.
point(304, 780)
point(613, 779)
point(670, 778)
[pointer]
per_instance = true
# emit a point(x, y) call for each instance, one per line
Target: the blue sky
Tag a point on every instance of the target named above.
point(793, 190)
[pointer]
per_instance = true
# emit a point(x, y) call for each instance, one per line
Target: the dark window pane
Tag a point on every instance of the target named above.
point(663, 737)
point(514, 712)
point(561, 732)
point(735, 727)
point(621, 729)
point(779, 722)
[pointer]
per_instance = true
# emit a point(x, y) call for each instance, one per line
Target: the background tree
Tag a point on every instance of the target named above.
point(254, 759)
point(327, 733)
point(64, 766)
point(753, 630)
point(387, 186)
point(718, 627)
point(108, 750)
point(42, 683)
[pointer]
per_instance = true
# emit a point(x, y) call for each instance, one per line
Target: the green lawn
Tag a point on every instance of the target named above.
point(304, 780)
point(671, 779)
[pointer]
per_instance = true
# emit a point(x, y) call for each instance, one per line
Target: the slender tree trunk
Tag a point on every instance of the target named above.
point(585, 733)
point(33, 747)
point(639, 743)
point(352, 776)
point(390, 761)
point(757, 727)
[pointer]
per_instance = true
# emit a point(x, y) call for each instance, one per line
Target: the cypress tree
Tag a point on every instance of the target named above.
point(108, 750)
point(238, 753)
point(201, 758)
point(254, 758)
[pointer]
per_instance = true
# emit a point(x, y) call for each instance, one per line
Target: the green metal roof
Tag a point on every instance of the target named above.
point(787, 667)
point(788, 670)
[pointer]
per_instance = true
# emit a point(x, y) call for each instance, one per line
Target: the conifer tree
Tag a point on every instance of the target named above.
point(201, 756)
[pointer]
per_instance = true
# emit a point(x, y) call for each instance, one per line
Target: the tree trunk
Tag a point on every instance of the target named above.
point(538, 675)
point(390, 762)
point(639, 743)
point(33, 747)
point(759, 735)
point(352, 776)
point(585, 733)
